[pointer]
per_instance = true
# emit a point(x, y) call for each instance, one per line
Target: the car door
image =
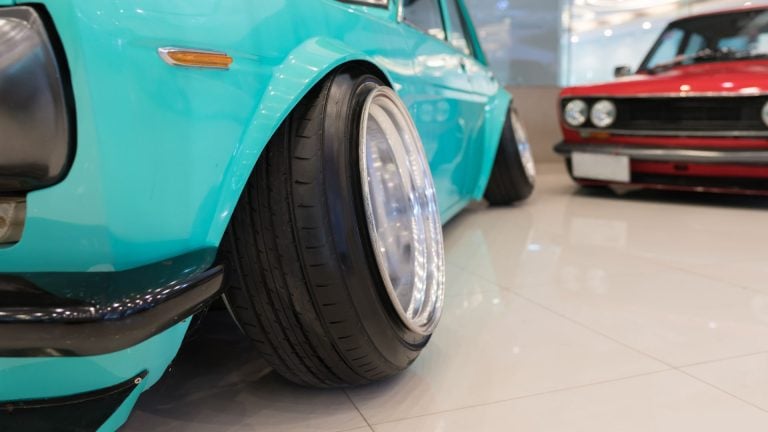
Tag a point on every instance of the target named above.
point(482, 86)
point(440, 97)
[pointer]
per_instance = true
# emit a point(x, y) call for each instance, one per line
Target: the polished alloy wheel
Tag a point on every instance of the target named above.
point(524, 147)
point(401, 211)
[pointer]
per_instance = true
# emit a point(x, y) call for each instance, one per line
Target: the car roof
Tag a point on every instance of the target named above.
point(722, 12)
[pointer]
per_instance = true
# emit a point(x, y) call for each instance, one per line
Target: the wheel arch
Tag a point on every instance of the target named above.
point(303, 69)
point(495, 116)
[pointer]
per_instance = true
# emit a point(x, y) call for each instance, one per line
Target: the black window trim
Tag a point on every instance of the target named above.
point(464, 29)
point(365, 3)
point(471, 41)
point(401, 19)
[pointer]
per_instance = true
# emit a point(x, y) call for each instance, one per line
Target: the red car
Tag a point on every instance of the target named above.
point(693, 117)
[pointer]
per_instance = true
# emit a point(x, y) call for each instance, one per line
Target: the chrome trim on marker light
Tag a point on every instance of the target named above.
point(188, 57)
point(374, 3)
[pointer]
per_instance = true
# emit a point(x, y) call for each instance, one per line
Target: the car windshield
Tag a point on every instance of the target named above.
point(712, 38)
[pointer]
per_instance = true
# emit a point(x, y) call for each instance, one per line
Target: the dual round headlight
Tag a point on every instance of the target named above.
point(602, 115)
point(576, 113)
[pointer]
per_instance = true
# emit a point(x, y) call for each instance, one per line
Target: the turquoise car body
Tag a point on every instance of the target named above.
point(163, 152)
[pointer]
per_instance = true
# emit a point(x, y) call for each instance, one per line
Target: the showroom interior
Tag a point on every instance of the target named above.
point(620, 287)
point(571, 311)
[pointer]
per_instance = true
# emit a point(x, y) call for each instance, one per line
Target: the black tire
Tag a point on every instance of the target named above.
point(304, 283)
point(508, 183)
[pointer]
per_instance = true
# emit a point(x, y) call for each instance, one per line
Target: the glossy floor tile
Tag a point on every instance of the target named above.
point(744, 377)
point(497, 346)
point(575, 311)
point(668, 401)
point(676, 317)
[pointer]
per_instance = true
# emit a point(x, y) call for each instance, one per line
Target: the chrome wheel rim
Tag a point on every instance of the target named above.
point(523, 147)
point(401, 211)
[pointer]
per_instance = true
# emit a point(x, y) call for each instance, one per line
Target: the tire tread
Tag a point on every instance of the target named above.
point(287, 289)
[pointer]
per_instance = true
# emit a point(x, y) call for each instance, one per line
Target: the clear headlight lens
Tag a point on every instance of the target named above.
point(401, 211)
point(12, 215)
point(576, 113)
point(603, 113)
point(34, 127)
point(765, 113)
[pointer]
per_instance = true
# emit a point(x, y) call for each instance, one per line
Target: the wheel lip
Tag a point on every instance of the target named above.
point(437, 310)
point(523, 147)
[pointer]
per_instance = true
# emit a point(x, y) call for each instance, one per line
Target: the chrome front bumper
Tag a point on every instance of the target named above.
point(667, 154)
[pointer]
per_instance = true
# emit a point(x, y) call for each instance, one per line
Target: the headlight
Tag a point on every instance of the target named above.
point(765, 113)
point(576, 113)
point(603, 113)
point(34, 127)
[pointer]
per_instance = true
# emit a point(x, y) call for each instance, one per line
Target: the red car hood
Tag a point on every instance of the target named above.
point(739, 77)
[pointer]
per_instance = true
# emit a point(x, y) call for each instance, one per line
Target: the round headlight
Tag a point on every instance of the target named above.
point(576, 113)
point(765, 113)
point(603, 113)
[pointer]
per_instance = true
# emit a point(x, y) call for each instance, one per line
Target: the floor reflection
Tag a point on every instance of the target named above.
point(576, 311)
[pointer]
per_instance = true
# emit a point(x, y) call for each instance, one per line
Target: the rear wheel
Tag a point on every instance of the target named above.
point(335, 248)
point(514, 172)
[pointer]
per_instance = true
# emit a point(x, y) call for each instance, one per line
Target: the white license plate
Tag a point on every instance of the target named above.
point(611, 168)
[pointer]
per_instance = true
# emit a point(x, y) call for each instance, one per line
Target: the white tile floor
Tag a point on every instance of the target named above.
point(577, 311)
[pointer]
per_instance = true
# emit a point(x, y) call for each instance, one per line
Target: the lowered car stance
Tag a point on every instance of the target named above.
point(296, 159)
point(693, 117)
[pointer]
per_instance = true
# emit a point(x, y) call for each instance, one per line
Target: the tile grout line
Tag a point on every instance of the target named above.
point(706, 276)
point(595, 331)
point(723, 359)
point(531, 395)
point(516, 293)
point(670, 366)
point(370, 426)
point(573, 321)
point(722, 390)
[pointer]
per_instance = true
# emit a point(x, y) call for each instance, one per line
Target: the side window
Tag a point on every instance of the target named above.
point(458, 37)
point(668, 48)
point(696, 43)
point(425, 16)
point(735, 43)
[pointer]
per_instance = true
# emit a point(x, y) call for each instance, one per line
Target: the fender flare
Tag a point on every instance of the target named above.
point(302, 69)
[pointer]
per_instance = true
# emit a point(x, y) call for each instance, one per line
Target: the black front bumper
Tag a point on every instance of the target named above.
point(76, 413)
point(84, 314)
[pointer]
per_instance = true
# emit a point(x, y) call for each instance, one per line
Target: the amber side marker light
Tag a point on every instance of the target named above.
point(195, 58)
point(599, 135)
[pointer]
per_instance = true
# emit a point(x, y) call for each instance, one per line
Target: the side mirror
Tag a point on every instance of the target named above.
point(622, 71)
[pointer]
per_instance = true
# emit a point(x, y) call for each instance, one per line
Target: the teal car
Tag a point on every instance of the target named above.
point(294, 158)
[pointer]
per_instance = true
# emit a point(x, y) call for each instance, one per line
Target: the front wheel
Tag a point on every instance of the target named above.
point(514, 172)
point(335, 248)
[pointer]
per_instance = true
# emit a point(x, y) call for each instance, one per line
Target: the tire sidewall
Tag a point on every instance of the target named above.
point(343, 187)
point(523, 185)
